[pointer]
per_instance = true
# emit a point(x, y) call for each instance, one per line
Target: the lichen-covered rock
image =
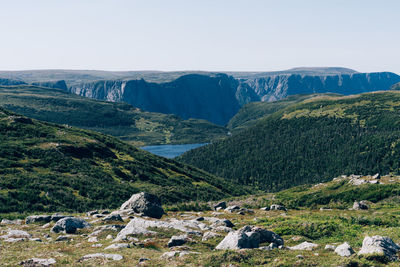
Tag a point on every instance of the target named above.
point(69, 225)
point(304, 246)
point(344, 250)
point(36, 262)
point(177, 240)
point(380, 245)
point(38, 219)
point(144, 203)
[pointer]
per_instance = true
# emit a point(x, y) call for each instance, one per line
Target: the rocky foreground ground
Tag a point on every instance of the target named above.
point(232, 233)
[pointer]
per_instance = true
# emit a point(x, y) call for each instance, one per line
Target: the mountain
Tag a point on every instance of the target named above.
point(118, 119)
point(191, 96)
point(276, 87)
point(211, 96)
point(395, 86)
point(47, 167)
point(309, 142)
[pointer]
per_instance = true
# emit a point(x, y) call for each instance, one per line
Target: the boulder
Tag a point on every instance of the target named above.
point(277, 207)
point(177, 240)
point(330, 247)
point(209, 235)
point(360, 205)
point(232, 208)
point(265, 208)
point(16, 234)
point(36, 262)
point(38, 219)
point(63, 238)
point(146, 204)
point(344, 250)
point(249, 237)
point(220, 205)
point(304, 246)
point(69, 225)
point(380, 245)
point(56, 217)
point(6, 221)
point(376, 176)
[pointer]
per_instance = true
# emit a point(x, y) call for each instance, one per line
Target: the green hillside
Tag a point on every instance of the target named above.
point(46, 167)
point(118, 119)
point(250, 113)
point(309, 142)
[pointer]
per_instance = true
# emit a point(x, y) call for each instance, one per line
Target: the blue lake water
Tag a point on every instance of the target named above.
point(171, 151)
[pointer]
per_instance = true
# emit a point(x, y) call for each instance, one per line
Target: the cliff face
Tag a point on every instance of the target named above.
point(217, 97)
point(190, 96)
point(276, 87)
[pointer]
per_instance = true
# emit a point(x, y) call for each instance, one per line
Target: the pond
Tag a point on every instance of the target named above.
point(171, 151)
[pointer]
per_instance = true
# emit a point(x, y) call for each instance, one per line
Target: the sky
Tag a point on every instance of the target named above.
point(213, 35)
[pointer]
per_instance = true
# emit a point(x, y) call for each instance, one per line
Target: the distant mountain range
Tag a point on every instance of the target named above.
point(215, 97)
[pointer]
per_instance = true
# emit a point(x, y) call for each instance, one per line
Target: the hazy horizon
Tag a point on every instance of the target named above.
point(215, 36)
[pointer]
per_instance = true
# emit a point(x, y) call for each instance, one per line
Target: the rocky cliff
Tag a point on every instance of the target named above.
point(275, 87)
point(191, 96)
point(217, 97)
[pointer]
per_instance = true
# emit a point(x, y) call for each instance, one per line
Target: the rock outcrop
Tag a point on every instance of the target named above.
point(69, 225)
point(344, 250)
point(380, 245)
point(144, 203)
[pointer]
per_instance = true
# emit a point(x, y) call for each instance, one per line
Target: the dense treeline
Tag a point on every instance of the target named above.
point(48, 167)
point(310, 142)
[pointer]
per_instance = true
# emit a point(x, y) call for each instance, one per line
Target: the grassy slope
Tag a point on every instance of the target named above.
point(117, 119)
point(251, 113)
point(302, 223)
point(47, 167)
point(310, 142)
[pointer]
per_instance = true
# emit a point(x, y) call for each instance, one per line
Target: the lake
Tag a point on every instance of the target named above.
point(171, 151)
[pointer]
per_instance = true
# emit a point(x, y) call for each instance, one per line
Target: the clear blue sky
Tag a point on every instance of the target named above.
point(239, 35)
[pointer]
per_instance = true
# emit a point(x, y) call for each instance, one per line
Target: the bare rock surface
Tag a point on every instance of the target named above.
point(344, 250)
point(144, 203)
point(380, 245)
point(304, 246)
point(36, 262)
point(69, 225)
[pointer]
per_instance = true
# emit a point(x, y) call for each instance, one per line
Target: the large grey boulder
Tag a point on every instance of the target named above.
point(38, 219)
point(360, 205)
point(249, 237)
point(69, 225)
point(144, 203)
point(220, 205)
point(380, 245)
point(16, 234)
point(344, 250)
point(177, 240)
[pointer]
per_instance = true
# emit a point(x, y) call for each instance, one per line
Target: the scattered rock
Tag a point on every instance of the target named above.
point(56, 217)
point(92, 212)
point(169, 255)
point(300, 256)
point(376, 176)
point(36, 239)
point(215, 222)
point(199, 219)
point(93, 239)
point(14, 234)
point(63, 238)
point(47, 225)
point(304, 246)
point(69, 225)
point(220, 205)
point(113, 217)
point(232, 208)
point(344, 250)
point(265, 208)
point(330, 247)
point(36, 262)
point(380, 245)
point(177, 240)
point(115, 257)
point(97, 245)
point(143, 261)
point(277, 207)
point(118, 246)
point(209, 235)
point(249, 237)
point(38, 219)
point(9, 222)
point(360, 205)
point(145, 203)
